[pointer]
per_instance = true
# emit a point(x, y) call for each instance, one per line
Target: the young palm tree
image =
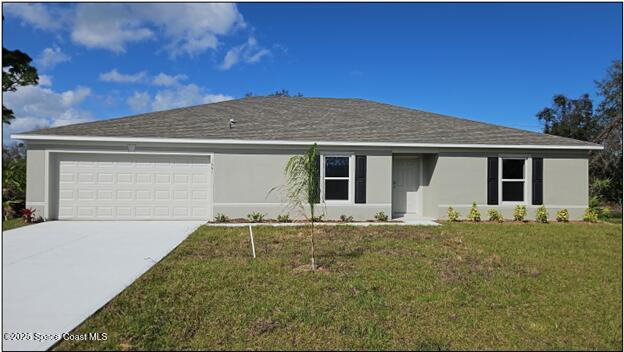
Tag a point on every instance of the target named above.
point(301, 173)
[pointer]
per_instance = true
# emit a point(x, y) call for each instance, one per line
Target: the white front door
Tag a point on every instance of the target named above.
point(405, 185)
point(134, 187)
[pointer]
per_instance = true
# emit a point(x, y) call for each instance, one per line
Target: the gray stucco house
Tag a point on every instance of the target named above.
point(192, 163)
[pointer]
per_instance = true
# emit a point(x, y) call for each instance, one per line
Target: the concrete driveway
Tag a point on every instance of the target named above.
point(56, 274)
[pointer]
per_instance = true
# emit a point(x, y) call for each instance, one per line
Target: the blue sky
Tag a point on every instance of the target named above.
point(499, 63)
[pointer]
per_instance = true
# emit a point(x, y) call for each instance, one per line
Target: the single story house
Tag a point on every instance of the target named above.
point(229, 157)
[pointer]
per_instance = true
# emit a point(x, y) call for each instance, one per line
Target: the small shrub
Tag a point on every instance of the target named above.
point(600, 211)
point(381, 216)
point(563, 215)
point(28, 215)
point(495, 215)
point(221, 218)
point(519, 213)
point(7, 211)
point(283, 218)
point(474, 215)
point(317, 218)
point(605, 214)
point(345, 218)
point(594, 203)
point(255, 217)
point(541, 215)
point(452, 214)
point(590, 215)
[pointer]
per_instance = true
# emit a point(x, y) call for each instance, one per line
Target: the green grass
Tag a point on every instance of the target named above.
point(457, 286)
point(12, 224)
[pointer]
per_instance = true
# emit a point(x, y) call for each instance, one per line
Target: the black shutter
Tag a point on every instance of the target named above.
point(538, 181)
point(318, 179)
point(492, 181)
point(360, 178)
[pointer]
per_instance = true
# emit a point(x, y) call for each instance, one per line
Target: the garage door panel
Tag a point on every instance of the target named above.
point(67, 194)
point(125, 178)
point(110, 187)
point(163, 179)
point(86, 177)
point(66, 177)
point(105, 178)
point(124, 211)
point(105, 194)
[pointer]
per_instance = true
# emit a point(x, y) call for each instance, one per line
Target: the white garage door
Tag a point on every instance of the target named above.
point(134, 187)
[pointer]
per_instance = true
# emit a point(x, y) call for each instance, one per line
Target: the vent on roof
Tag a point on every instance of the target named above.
point(232, 123)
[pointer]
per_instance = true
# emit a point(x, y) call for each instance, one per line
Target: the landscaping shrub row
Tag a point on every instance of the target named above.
point(592, 214)
point(256, 217)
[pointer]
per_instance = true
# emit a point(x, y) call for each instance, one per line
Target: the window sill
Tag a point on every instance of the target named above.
point(513, 203)
point(338, 202)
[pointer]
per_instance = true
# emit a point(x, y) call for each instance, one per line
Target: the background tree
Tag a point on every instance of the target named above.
point(16, 71)
point(301, 174)
point(13, 179)
point(573, 118)
point(576, 118)
point(283, 93)
point(607, 165)
point(277, 93)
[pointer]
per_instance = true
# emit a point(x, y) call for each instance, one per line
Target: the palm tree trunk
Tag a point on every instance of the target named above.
point(312, 242)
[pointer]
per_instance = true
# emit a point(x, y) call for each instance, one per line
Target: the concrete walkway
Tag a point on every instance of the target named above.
point(56, 274)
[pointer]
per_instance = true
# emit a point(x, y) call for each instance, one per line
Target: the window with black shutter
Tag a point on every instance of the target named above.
point(360, 179)
point(538, 181)
point(492, 181)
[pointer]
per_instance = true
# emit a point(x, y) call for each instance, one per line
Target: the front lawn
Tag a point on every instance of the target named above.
point(457, 286)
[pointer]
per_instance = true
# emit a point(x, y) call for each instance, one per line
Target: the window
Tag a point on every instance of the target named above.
point(336, 178)
point(513, 180)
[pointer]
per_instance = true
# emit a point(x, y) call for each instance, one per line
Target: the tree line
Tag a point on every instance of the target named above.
point(16, 71)
point(601, 123)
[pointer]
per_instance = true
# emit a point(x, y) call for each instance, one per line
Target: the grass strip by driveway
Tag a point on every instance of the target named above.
point(457, 286)
point(13, 224)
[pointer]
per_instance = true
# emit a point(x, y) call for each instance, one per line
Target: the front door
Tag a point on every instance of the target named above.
point(405, 185)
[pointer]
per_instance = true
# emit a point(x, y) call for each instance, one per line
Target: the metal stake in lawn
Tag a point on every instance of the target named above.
point(253, 247)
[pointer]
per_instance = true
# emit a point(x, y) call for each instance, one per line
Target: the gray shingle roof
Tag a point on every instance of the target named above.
point(309, 119)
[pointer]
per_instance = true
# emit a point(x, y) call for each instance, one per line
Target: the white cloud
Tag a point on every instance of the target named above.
point(38, 15)
point(45, 80)
point(74, 97)
point(190, 28)
point(249, 52)
point(139, 101)
point(51, 57)
point(38, 107)
point(173, 97)
point(72, 116)
point(107, 26)
point(166, 80)
point(180, 28)
point(116, 76)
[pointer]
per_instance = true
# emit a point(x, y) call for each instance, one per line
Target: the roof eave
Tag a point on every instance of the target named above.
point(37, 137)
